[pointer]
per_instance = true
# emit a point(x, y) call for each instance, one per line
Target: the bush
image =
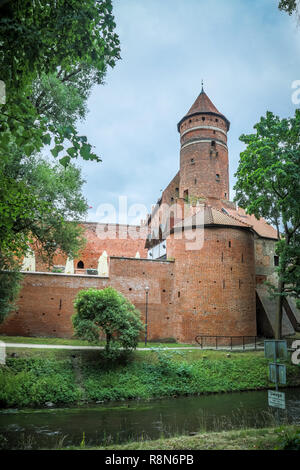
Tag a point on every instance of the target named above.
point(107, 311)
point(289, 441)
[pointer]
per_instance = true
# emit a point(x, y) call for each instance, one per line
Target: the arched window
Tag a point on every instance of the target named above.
point(80, 265)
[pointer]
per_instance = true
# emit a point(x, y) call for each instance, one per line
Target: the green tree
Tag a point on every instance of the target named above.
point(51, 54)
point(268, 185)
point(290, 6)
point(107, 312)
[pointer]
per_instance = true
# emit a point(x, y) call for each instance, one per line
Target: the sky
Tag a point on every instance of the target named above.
point(246, 51)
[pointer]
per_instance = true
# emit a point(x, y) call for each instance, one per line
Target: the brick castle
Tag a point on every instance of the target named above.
point(204, 259)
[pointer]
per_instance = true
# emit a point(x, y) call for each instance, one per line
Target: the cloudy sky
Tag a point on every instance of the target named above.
point(246, 51)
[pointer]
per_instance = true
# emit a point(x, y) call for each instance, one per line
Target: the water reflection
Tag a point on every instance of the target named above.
point(115, 423)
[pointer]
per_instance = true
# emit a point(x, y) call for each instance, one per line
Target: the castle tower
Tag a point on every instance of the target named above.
point(204, 154)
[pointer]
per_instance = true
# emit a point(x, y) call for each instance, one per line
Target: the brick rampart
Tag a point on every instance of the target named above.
point(46, 300)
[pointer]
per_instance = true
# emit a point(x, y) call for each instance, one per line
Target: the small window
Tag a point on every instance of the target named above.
point(203, 119)
point(213, 143)
point(186, 194)
point(80, 265)
point(195, 181)
point(276, 260)
point(217, 177)
point(229, 244)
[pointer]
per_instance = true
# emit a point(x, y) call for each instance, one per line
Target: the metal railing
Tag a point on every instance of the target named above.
point(217, 342)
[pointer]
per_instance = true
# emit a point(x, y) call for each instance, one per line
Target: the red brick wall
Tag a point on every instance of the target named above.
point(214, 291)
point(116, 240)
point(46, 301)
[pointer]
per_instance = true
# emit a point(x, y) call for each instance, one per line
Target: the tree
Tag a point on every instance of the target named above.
point(290, 6)
point(268, 185)
point(60, 37)
point(51, 54)
point(107, 311)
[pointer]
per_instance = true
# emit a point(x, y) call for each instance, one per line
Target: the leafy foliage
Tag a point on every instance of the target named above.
point(268, 185)
point(35, 381)
point(51, 55)
point(290, 6)
point(107, 311)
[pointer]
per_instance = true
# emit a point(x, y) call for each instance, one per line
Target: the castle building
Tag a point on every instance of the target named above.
point(203, 259)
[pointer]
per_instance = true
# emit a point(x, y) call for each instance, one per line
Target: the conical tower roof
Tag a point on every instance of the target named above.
point(203, 105)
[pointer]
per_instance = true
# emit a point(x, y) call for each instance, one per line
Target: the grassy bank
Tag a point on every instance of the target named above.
point(80, 342)
point(34, 377)
point(246, 439)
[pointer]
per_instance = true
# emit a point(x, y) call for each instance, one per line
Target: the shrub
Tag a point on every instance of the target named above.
point(107, 311)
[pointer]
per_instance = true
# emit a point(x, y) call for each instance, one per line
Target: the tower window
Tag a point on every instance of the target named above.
point(276, 260)
point(195, 181)
point(229, 244)
point(203, 119)
point(217, 120)
point(186, 194)
point(192, 160)
point(217, 177)
point(213, 143)
point(176, 192)
point(80, 265)
point(190, 120)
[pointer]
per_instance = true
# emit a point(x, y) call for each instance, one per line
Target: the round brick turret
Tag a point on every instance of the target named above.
point(204, 154)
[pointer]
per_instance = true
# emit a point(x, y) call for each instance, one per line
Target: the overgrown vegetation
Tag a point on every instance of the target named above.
point(271, 438)
point(39, 376)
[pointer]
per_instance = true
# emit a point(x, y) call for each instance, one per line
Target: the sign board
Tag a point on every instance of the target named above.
point(281, 371)
point(276, 399)
point(275, 349)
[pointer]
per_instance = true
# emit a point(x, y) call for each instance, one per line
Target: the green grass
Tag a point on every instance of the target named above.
point(78, 342)
point(35, 376)
point(246, 439)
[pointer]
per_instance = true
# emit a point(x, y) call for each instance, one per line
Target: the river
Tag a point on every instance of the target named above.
point(111, 423)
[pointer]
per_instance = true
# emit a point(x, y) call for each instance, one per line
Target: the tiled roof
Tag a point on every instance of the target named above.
point(208, 215)
point(203, 104)
point(261, 226)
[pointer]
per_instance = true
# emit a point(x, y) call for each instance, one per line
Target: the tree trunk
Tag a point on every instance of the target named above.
point(279, 312)
point(108, 338)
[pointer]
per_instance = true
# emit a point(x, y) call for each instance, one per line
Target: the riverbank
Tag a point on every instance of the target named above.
point(37, 377)
point(247, 439)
